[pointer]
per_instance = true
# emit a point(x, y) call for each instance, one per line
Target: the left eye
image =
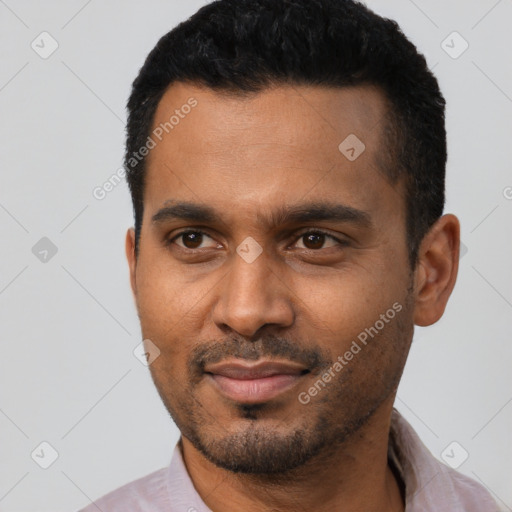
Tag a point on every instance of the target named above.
point(315, 240)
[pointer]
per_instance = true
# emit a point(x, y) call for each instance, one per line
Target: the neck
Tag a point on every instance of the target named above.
point(353, 476)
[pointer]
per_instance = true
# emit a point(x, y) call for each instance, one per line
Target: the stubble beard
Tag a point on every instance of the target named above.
point(261, 445)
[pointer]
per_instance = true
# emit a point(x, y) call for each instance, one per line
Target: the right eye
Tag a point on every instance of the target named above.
point(191, 240)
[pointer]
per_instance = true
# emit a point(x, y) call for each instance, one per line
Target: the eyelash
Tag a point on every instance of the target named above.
point(342, 243)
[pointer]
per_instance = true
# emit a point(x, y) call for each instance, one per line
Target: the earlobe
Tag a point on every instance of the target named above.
point(436, 272)
point(131, 258)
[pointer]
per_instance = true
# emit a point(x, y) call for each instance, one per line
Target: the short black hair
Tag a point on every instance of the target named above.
point(244, 46)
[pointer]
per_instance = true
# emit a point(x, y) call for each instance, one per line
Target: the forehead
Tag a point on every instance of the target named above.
point(297, 116)
point(277, 145)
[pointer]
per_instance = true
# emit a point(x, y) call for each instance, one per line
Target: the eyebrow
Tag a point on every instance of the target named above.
point(306, 212)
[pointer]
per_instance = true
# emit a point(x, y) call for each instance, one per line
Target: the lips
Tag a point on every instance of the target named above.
point(254, 383)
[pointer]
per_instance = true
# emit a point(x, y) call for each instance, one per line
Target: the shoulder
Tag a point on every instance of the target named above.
point(469, 495)
point(430, 484)
point(148, 493)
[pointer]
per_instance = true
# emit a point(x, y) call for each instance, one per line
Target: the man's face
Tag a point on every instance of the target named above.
point(302, 261)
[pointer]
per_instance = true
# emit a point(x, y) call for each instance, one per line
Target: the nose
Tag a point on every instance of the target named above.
point(251, 296)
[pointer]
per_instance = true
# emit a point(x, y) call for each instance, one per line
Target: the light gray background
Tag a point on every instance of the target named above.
point(68, 325)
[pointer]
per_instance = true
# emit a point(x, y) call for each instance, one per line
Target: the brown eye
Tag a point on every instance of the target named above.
point(315, 240)
point(192, 240)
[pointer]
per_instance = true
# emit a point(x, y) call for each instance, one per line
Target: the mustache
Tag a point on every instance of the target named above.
point(272, 347)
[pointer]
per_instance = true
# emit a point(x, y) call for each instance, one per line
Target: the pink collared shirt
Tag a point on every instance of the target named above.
point(429, 484)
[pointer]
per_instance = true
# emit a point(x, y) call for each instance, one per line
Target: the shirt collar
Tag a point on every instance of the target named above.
point(426, 480)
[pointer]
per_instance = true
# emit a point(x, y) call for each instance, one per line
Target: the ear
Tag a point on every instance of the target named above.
point(436, 271)
point(130, 256)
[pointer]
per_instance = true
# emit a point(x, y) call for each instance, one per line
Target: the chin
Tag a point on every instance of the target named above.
point(260, 447)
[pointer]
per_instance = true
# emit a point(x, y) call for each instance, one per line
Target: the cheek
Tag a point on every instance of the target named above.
point(164, 296)
point(344, 306)
point(172, 310)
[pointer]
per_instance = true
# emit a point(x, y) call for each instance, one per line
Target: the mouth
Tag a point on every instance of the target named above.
point(254, 383)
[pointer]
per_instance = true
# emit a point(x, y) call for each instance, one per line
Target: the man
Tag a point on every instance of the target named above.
point(286, 160)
